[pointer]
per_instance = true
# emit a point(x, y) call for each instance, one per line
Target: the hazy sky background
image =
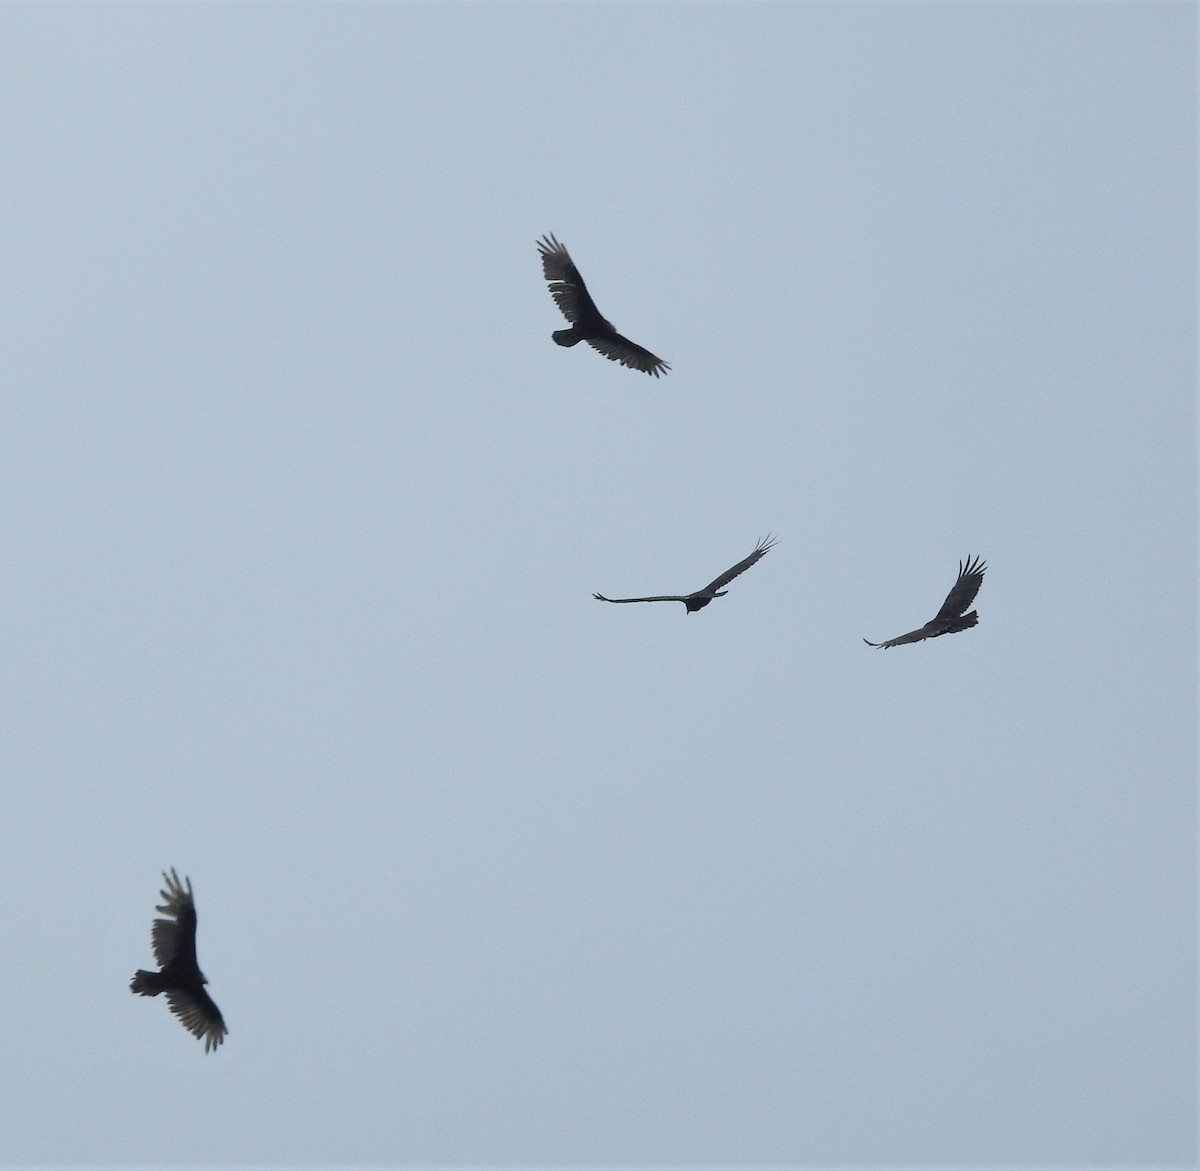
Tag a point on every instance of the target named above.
point(303, 512)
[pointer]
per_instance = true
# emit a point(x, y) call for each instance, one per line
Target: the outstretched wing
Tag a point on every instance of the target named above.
point(566, 285)
point(671, 598)
point(200, 1016)
point(959, 599)
point(911, 636)
point(764, 546)
point(620, 349)
point(174, 939)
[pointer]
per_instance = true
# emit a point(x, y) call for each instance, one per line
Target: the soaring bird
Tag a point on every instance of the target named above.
point(587, 325)
point(950, 619)
point(174, 943)
point(701, 598)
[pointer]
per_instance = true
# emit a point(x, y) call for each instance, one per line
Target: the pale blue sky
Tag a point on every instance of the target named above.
point(304, 511)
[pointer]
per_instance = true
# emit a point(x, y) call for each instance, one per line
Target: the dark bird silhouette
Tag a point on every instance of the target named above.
point(950, 619)
point(174, 943)
point(587, 324)
point(701, 598)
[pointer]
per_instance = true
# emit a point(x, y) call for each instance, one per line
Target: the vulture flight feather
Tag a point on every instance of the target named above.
point(587, 324)
point(950, 619)
point(174, 942)
point(701, 598)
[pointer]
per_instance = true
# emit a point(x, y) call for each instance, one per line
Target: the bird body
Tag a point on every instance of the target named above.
point(701, 598)
point(173, 940)
point(587, 323)
point(950, 619)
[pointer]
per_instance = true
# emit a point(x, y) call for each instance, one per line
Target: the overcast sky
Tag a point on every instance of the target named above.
point(303, 512)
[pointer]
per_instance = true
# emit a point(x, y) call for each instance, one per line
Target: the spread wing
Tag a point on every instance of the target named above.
point(764, 546)
point(200, 1016)
point(174, 939)
point(911, 636)
point(671, 598)
point(959, 599)
point(620, 349)
point(566, 285)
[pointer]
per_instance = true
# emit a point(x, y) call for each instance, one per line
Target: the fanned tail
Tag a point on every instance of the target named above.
point(146, 983)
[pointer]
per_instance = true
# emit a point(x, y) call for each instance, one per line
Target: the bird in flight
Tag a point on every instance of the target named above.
point(587, 324)
point(950, 619)
point(174, 942)
point(701, 598)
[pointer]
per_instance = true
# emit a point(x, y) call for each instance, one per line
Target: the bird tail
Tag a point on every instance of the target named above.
point(965, 622)
point(566, 337)
point(146, 983)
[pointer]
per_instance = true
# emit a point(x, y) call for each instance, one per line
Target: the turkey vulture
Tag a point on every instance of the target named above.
point(174, 943)
point(950, 618)
point(571, 296)
point(701, 598)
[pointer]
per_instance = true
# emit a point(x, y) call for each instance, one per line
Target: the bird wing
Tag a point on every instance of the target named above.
point(620, 349)
point(764, 546)
point(670, 598)
point(912, 636)
point(566, 285)
point(970, 578)
point(199, 1014)
point(174, 938)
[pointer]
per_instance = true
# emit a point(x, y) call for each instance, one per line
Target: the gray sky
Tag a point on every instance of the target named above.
point(304, 511)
